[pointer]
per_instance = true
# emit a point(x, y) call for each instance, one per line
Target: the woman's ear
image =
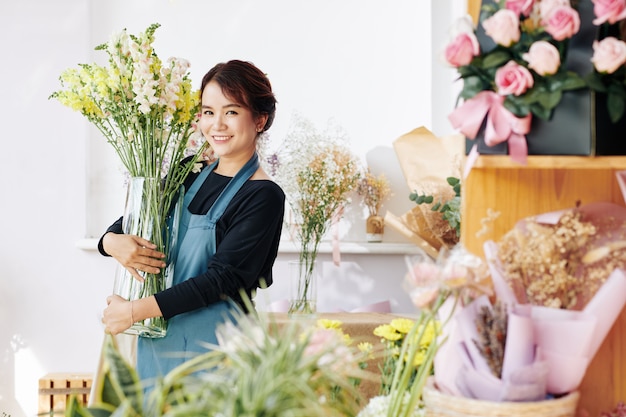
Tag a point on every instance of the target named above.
point(260, 122)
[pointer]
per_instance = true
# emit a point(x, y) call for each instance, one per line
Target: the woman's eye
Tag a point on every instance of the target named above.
point(207, 112)
point(231, 112)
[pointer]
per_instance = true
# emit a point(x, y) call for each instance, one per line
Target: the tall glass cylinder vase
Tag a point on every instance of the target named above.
point(148, 215)
point(303, 281)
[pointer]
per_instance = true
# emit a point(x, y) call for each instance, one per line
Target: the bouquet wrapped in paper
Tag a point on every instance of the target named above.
point(560, 284)
point(427, 161)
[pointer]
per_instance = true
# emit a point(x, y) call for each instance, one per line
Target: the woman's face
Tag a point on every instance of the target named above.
point(228, 126)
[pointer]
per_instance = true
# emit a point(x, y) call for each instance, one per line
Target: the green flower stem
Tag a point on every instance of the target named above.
point(403, 380)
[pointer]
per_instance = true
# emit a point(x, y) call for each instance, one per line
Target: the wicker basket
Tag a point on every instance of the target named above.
point(443, 405)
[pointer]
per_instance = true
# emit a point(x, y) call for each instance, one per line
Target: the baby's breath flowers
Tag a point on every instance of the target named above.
point(317, 172)
point(562, 265)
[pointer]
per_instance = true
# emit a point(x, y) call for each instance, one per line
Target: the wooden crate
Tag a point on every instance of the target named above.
point(549, 183)
point(55, 390)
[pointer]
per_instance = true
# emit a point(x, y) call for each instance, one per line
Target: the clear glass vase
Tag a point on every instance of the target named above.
point(303, 281)
point(148, 215)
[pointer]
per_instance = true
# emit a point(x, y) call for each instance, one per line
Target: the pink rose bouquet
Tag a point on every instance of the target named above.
point(516, 72)
point(609, 56)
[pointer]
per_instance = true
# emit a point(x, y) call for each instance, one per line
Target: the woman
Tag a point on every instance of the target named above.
point(230, 227)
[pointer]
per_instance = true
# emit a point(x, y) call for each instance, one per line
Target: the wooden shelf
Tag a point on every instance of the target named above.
point(513, 191)
point(552, 162)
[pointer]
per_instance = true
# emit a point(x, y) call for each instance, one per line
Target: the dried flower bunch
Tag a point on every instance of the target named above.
point(491, 324)
point(562, 265)
point(374, 190)
point(444, 216)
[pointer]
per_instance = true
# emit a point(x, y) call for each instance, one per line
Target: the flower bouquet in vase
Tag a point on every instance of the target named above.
point(317, 173)
point(374, 190)
point(146, 109)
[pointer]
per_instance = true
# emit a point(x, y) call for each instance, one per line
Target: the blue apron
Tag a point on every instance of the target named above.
point(188, 333)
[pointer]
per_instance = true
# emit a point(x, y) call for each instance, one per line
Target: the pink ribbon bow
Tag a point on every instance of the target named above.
point(502, 125)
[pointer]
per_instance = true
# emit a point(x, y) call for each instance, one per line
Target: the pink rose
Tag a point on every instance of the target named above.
point(608, 54)
point(523, 7)
point(562, 23)
point(546, 7)
point(423, 281)
point(503, 27)
point(462, 49)
point(609, 11)
point(513, 79)
point(543, 58)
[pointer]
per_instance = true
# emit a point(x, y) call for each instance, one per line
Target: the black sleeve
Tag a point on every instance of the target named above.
point(115, 228)
point(247, 246)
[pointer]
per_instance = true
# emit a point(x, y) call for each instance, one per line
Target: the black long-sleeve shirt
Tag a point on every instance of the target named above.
point(247, 237)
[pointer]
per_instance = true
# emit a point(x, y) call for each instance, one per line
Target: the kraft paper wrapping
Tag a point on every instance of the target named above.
point(426, 161)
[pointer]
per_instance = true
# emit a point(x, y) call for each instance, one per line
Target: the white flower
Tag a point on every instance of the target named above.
point(378, 407)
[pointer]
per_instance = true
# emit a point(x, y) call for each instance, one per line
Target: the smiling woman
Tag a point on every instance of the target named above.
point(369, 68)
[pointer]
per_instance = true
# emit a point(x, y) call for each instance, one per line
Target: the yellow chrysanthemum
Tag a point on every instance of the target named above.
point(328, 324)
point(387, 332)
point(402, 325)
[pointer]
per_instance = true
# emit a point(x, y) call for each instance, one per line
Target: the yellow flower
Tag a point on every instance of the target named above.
point(329, 324)
point(388, 332)
point(402, 325)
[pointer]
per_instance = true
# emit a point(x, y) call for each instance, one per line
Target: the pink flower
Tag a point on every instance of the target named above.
point(543, 58)
point(562, 23)
point(423, 298)
point(523, 7)
point(546, 7)
point(503, 27)
point(424, 280)
point(608, 54)
point(514, 79)
point(462, 49)
point(610, 11)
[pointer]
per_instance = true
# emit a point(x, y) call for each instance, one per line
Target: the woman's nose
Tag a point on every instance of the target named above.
point(218, 121)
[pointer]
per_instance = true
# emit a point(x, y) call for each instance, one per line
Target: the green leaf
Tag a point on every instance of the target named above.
point(540, 111)
point(122, 382)
point(594, 81)
point(453, 181)
point(75, 409)
point(615, 105)
point(516, 106)
point(472, 86)
point(550, 100)
point(573, 82)
point(496, 59)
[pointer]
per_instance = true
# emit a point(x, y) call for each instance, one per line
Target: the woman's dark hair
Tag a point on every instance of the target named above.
point(247, 85)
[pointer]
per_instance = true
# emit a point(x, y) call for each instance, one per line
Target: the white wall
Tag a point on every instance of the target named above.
point(370, 65)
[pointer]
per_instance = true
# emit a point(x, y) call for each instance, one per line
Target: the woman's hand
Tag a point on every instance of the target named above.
point(118, 316)
point(134, 253)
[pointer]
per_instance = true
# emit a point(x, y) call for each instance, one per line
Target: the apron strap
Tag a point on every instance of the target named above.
point(231, 189)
